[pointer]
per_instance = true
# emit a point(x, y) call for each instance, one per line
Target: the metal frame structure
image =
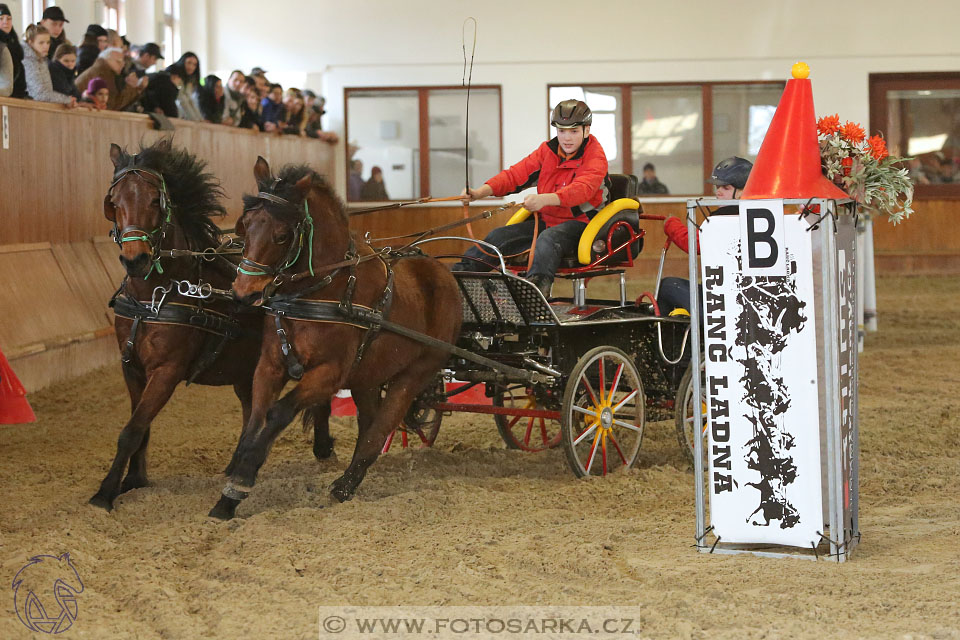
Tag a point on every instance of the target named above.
point(839, 538)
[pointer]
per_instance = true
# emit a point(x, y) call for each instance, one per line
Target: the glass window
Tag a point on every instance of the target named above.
point(446, 110)
point(741, 115)
point(607, 127)
point(667, 132)
point(385, 133)
point(924, 124)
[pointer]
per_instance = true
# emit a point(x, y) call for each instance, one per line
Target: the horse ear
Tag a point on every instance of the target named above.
point(109, 211)
point(164, 145)
point(303, 185)
point(116, 155)
point(261, 171)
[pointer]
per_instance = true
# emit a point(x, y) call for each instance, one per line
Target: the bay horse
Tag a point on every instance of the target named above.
point(296, 233)
point(161, 199)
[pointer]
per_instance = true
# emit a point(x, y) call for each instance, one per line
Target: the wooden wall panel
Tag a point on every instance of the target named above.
point(86, 277)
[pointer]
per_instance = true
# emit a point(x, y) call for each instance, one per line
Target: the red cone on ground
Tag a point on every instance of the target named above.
point(14, 408)
point(788, 165)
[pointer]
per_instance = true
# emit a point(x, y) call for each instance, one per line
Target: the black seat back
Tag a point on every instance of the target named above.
point(623, 185)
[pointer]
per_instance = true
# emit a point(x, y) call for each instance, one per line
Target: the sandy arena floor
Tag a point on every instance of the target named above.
point(469, 522)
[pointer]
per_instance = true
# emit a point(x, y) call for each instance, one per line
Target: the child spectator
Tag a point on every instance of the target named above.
point(97, 94)
point(94, 42)
point(62, 70)
point(271, 109)
point(39, 85)
point(52, 20)
point(8, 36)
point(188, 68)
point(210, 99)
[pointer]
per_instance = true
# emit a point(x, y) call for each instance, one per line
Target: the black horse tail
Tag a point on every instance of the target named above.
point(318, 414)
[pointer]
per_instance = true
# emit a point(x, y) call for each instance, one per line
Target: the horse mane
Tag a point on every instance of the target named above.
point(284, 186)
point(195, 194)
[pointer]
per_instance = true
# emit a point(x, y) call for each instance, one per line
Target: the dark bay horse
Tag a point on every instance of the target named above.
point(295, 233)
point(162, 199)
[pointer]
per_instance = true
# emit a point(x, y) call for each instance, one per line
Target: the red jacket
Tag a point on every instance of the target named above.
point(580, 181)
point(676, 230)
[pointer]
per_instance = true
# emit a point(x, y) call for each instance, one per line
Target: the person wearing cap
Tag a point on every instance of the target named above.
point(109, 66)
point(570, 173)
point(147, 56)
point(651, 185)
point(10, 42)
point(52, 20)
point(94, 42)
point(728, 178)
point(97, 94)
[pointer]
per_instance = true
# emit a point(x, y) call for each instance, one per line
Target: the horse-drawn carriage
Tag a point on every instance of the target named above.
point(339, 314)
point(580, 371)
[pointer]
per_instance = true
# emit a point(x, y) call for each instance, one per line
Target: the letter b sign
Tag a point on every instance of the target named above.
point(761, 238)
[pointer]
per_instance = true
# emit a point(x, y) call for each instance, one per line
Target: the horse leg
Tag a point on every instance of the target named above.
point(318, 416)
point(401, 391)
point(155, 395)
point(137, 473)
point(244, 391)
point(264, 427)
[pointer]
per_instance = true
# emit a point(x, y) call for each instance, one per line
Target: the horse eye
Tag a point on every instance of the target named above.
point(283, 238)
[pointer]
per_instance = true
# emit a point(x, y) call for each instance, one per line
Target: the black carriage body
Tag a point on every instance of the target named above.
point(506, 319)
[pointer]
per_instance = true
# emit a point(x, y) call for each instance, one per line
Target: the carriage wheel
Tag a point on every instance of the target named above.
point(603, 413)
point(520, 432)
point(684, 410)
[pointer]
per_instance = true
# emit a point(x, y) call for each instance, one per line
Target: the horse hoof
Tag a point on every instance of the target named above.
point(340, 493)
point(323, 451)
point(224, 509)
point(102, 501)
point(130, 483)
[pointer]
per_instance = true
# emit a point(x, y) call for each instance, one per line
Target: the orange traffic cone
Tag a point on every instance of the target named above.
point(788, 165)
point(14, 408)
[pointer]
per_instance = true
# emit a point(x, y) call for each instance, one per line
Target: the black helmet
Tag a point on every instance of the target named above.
point(571, 113)
point(733, 171)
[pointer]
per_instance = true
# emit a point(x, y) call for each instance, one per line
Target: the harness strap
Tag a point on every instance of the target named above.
point(127, 358)
point(383, 307)
point(294, 368)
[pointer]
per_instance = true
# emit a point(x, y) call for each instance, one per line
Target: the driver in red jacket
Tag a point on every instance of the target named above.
point(570, 172)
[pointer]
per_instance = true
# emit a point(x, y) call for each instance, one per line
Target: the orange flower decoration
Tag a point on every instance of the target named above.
point(828, 125)
point(878, 147)
point(852, 132)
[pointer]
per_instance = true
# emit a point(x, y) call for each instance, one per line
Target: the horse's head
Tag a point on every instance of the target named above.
point(277, 231)
point(138, 206)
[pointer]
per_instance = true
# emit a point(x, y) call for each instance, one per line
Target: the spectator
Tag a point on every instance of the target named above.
point(260, 80)
point(161, 94)
point(108, 66)
point(147, 56)
point(233, 97)
point(97, 94)
point(296, 114)
point(6, 71)
point(94, 42)
point(8, 36)
point(650, 185)
point(355, 181)
point(39, 85)
point(271, 109)
point(63, 70)
point(250, 112)
point(188, 68)
point(374, 189)
point(52, 20)
point(210, 99)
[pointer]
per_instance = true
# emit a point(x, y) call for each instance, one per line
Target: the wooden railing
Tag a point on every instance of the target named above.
point(58, 267)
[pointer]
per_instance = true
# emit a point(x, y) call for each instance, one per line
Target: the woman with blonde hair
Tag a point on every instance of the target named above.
point(39, 84)
point(296, 120)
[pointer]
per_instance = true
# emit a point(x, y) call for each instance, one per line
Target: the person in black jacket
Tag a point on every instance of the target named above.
point(63, 72)
point(160, 95)
point(53, 20)
point(210, 99)
point(8, 35)
point(94, 41)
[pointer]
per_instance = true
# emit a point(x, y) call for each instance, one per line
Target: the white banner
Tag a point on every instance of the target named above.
point(761, 370)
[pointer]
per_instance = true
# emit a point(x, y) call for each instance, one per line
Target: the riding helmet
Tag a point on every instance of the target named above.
point(733, 171)
point(571, 113)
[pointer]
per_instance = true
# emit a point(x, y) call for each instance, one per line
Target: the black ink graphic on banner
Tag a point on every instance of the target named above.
point(770, 310)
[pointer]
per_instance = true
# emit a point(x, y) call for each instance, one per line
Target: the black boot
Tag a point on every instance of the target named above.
point(543, 283)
